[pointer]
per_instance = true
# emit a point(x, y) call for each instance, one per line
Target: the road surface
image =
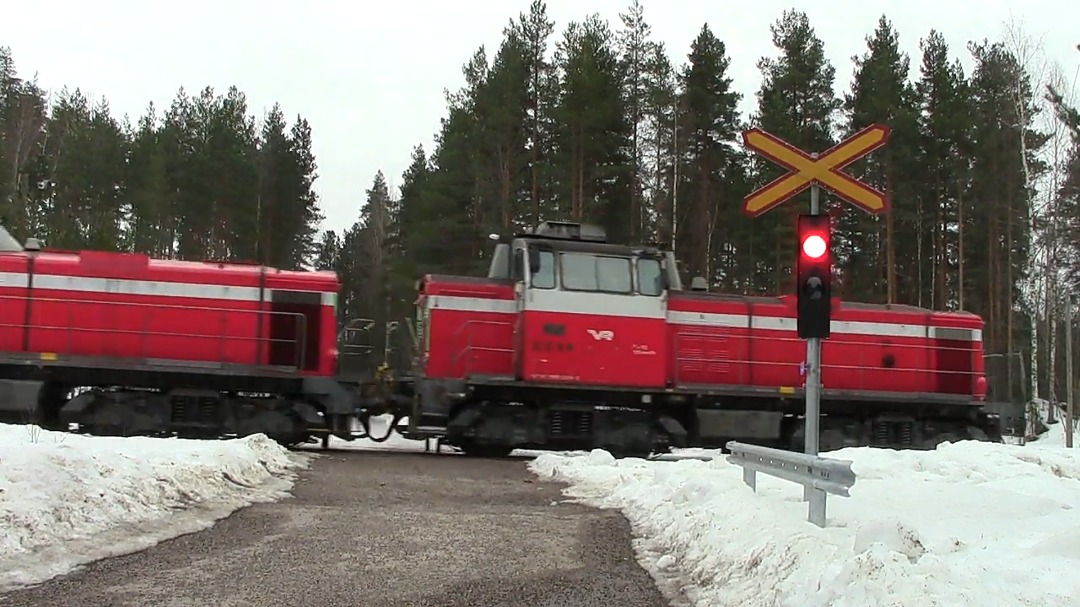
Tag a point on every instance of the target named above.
point(386, 530)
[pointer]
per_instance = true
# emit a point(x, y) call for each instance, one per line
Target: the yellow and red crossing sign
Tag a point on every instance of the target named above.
point(821, 169)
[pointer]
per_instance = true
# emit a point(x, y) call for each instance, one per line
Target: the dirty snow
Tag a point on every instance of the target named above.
point(66, 500)
point(970, 524)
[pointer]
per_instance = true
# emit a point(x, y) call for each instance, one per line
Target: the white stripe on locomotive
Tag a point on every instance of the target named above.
point(149, 288)
point(709, 319)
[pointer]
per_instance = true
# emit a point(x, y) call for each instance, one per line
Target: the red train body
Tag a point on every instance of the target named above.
point(706, 340)
point(188, 329)
point(571, 340)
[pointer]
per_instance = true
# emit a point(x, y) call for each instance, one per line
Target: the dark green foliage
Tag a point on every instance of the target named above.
point(203, 181)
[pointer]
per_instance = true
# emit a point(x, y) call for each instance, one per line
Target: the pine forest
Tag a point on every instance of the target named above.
point(599, 122)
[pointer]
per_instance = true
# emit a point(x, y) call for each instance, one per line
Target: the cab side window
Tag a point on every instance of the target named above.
point(517, 267)
point(650, 277)
point(545, 277)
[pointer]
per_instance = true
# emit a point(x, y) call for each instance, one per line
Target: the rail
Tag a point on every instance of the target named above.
point(468, 351)
point(818, 475)
point(720, 357)
point(119, 320)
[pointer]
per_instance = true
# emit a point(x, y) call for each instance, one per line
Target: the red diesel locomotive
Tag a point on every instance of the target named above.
point(572, 342)
point(198, 348)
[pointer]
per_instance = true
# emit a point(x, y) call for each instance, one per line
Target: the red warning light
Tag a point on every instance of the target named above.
point(814, 246)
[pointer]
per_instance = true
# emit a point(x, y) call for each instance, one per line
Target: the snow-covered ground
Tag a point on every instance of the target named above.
point(970, 524)
point(66, 500)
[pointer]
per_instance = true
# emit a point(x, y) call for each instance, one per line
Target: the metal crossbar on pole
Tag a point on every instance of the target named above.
point(818, 475)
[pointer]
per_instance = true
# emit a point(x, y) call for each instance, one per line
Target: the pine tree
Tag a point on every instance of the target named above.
point(593, 132)
point(304, 206)
point(999, 226)
point(152, 227)
point(636, 51)
point(709, 125)
point(328, 251)
point(945, 150)
point(890, 268)
point(659, 128)
point(533, 30)
point(22, 167)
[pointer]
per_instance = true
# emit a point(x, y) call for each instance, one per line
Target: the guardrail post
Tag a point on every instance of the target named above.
point(818, 475)
point(816, 510)
point(750, 478)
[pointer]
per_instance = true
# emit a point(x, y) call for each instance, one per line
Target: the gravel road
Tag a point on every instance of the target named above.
point(385, 530)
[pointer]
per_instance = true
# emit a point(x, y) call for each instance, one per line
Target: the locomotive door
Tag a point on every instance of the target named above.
point(518, 273)
point(519, 331)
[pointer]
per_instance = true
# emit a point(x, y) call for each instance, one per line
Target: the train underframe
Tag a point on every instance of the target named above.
point(493, 418)
point(193, 403)
point(484, 417)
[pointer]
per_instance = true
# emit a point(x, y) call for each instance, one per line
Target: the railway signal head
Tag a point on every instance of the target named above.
point(814, 276)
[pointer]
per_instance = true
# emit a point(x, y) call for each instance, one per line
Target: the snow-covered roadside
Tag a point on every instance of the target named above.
point(968, 524)
point(67, 500)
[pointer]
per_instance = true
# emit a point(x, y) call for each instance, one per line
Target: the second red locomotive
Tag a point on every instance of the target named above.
point(572, 342)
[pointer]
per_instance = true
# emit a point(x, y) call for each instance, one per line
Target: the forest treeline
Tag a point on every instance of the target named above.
point(600, 122)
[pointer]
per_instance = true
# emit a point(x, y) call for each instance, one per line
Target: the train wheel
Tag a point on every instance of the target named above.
point(942, 438)
point(474, 449)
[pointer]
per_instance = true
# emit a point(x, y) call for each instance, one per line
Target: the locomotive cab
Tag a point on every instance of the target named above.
point(588, 312)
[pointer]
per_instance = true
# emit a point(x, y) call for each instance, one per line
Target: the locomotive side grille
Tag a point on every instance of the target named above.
point(178, 409)
point(896, 433)
point(905, 431)
point(570, 423)
point(193, 409)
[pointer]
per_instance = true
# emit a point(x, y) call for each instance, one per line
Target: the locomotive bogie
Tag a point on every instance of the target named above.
point(190, 413)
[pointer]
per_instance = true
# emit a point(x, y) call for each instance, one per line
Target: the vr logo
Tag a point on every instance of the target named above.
point(604, 335)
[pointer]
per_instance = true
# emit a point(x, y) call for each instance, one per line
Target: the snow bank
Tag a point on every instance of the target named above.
point(66, 500)
point(968, 524)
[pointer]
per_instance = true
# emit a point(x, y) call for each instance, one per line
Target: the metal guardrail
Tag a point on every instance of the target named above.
point(818, 475)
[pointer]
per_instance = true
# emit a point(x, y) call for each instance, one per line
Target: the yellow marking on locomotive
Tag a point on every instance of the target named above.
point(787, 390)
point(48, 356)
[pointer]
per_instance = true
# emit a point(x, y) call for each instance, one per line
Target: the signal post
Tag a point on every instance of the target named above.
point(813, 269)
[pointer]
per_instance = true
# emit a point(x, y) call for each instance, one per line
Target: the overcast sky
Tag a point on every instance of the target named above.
point(370, 80)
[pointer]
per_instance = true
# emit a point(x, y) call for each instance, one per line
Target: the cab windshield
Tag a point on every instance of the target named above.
point(592, 272)
point(8, 244)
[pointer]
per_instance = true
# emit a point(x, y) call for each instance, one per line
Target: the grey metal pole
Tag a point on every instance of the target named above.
point(813, 374)
point(1068, 373)
point(813, 363)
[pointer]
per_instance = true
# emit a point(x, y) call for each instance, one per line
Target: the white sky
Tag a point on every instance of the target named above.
point(370, 80)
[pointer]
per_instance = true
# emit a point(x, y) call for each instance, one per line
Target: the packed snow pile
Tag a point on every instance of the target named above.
point(66, 499)
point(971, 523)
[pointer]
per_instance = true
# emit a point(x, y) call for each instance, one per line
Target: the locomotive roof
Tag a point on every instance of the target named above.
point(585, 246)
point(137, 266)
